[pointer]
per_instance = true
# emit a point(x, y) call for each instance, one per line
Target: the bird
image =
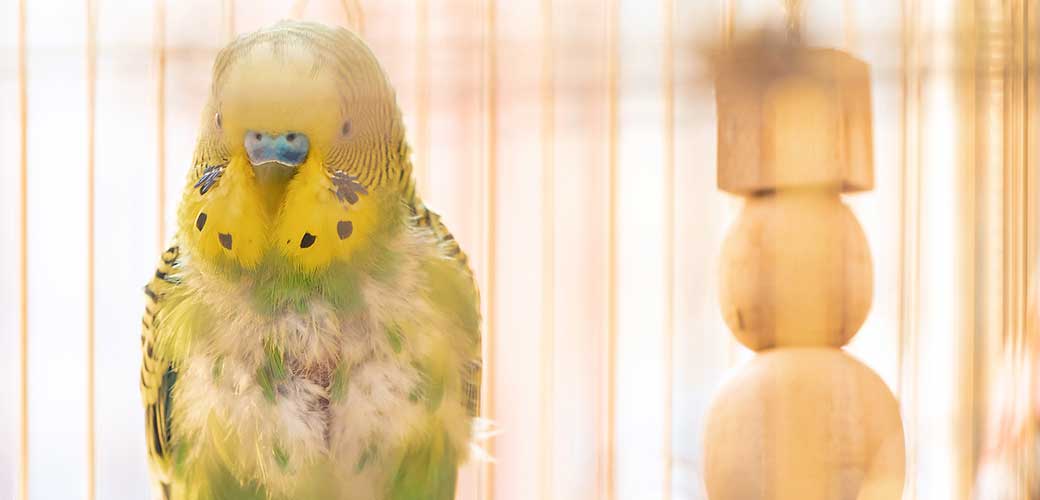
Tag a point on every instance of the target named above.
point(313, 330)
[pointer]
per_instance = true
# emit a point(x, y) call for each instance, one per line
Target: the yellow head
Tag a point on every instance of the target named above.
point(301, 152)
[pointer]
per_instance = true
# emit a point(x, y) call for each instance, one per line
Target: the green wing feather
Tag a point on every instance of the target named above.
point(157, 374)
point(427, 470)
point(456, 291)
point(429, 466)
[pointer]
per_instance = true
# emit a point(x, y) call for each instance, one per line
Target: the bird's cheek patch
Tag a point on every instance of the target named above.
point(226, 216)
point(344, 229)
point(324, 218)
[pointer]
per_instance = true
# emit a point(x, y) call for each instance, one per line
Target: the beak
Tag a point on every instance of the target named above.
point(289, 149)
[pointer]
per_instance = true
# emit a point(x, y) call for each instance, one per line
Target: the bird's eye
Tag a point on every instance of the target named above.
point(217, 120)
point(345, 129)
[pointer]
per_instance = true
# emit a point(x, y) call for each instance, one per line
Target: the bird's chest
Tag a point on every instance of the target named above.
point(283, 394)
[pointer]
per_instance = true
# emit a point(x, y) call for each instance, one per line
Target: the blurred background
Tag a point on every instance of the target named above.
point(570, 145)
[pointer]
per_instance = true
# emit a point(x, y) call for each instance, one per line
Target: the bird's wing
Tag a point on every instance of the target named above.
point(427, 471)
point(428, 466)
point(458, 291)
point(157, 373)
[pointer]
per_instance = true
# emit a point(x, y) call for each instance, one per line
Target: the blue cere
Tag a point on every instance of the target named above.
point(289, 149)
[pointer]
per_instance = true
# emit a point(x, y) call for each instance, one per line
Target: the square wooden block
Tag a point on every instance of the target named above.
point(792, 116)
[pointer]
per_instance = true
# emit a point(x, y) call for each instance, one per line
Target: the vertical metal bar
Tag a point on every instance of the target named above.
point(1029, 138)
point(972, 255)
point(23, 335)
point(1006, 56)
point(355, 15)
point(668, 92)
point(794, 10)
point(1004, 53)
point(490, 151)
point(228, 10)
point(297, 9)
point(849, 25)
point(909, 232)
point(1030, 20)
point(1019, 190)
point(1018, 108)
point(348, 11)
point(359, 17)
point(159, 56)
point(547, 359)
point(91, 46)
point(986, 101)
point(726, 34)
point(422, 94)
point(608, 392)
point(729, 14)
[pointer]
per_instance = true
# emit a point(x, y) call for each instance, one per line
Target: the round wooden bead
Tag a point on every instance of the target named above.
point(804, 424)
point(795, 271)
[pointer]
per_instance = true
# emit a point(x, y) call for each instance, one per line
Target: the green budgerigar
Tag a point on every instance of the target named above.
point(313, 332)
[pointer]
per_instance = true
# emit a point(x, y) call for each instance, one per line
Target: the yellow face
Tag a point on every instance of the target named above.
point(296, 156)
point(281, 93)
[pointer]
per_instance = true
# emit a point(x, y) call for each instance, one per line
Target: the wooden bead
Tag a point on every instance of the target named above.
point(793, 116)
point(804, 424)
point(795, 271)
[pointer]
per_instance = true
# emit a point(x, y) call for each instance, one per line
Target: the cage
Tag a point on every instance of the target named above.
point(572, 147)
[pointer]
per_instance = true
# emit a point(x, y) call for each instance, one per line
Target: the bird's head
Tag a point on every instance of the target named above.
point(301, 150)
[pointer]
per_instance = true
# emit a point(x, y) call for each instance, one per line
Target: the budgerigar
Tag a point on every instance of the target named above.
point(313, 332)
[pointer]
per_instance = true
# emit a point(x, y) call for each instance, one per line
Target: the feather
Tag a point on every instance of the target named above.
point(316, 333)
